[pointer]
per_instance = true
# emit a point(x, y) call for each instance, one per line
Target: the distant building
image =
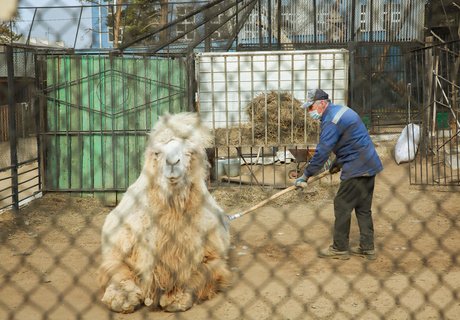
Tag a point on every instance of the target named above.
point(334, 21)
point(102, 34)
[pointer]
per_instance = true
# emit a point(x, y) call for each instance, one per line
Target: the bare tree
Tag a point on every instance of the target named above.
point(131, 19)
point(7, 35)
point(117, 23)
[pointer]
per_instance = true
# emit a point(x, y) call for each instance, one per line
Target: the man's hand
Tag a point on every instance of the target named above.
point(335, 167)
point(301, 182)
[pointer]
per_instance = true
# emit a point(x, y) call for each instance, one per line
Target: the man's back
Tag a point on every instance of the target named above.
point(354, 149)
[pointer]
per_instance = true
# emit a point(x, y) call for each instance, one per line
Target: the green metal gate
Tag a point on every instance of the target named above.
point(98, 111)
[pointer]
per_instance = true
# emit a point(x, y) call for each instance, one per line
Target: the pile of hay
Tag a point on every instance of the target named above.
point(267, 113)
point(241, 135)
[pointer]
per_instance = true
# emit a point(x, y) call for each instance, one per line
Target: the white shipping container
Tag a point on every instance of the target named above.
point(227, 82)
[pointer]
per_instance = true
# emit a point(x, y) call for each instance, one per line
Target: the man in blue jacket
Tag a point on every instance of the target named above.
point(343, 133)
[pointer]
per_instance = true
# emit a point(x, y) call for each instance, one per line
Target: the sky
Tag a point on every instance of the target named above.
point(55, 24)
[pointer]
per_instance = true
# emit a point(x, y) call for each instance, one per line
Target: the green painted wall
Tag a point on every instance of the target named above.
point(98, 112)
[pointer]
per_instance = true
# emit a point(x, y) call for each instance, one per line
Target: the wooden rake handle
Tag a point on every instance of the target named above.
point(276, 195)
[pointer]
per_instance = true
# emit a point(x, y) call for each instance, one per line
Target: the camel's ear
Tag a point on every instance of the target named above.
point(149, 153)
point(166, 117)
point(149, 161)
point(197, 121)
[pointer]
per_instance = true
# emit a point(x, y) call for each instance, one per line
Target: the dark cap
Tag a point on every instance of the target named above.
point(314, 95)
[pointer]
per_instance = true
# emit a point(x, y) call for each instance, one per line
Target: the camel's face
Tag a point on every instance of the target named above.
point(173, 159)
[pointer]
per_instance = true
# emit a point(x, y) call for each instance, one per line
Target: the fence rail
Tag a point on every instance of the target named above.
point(20, 172)
point(435, 97)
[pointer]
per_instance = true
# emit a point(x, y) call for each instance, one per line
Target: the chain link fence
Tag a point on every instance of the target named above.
point(50, 249)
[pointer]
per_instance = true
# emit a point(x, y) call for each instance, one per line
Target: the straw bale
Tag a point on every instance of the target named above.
point(274, 110)
point(268, 113)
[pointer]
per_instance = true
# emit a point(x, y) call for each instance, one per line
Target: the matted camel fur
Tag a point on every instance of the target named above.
point(166, 243)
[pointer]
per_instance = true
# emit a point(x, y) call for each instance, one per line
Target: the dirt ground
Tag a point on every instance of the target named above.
point(48, 261)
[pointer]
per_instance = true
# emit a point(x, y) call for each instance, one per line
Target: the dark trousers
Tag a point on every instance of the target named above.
point(355, 193)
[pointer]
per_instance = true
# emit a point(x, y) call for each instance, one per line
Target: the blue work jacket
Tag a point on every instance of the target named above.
point(343, 133)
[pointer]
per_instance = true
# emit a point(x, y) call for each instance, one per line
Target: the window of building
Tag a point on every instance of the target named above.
point(362, 17)
point(391, 15)
point(396, 13)
point(187, 24)
point(110, 23)
point(322, 18)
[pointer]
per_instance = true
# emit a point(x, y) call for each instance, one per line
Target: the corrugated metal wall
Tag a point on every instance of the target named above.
point(282, 22)
point(98, 112)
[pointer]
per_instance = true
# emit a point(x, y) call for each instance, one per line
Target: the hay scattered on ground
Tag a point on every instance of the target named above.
point(268, 114)
point(236, 199)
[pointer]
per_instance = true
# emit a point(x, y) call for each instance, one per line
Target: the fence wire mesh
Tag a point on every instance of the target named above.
point(50, 250)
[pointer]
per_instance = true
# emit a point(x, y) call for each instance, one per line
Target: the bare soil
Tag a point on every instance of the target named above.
point(50, 252)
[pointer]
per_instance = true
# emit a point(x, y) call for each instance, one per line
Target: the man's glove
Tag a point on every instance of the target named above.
point(301, 181)
point(335, 167)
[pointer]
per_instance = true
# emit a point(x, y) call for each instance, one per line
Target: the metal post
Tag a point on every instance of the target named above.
point(78, 27)
point(37, 115)
point(192, 87)
point(408, 102)
point(269, 22)
point(260, 24)
point(207, 42)
point(278, 18)
point(12, 127)
point(353, 21)
point(352, 74)
point(315, 21)
point(31, 26)
point(236, 24)
point(371, 27)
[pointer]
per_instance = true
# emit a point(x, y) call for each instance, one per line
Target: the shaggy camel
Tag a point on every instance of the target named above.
point(166, 243)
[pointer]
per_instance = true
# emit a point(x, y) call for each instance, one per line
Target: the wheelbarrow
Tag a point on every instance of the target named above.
point(302, 157)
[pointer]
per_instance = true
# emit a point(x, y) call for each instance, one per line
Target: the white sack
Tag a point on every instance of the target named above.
point(407, 144)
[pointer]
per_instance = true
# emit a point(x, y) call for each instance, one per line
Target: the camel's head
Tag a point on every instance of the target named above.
point(171, 161)
point(175, 155)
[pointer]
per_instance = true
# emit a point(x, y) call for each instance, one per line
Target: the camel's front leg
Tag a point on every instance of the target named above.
point(121, 292)
point(177, 300)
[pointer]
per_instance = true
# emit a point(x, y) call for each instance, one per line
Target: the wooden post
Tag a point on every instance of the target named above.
point(12, 128)
point(192, 104)
point(163, 19)
point(429, 84)
point(435, 89)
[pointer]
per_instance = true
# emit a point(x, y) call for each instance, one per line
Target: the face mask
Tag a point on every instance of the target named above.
point(314, 115)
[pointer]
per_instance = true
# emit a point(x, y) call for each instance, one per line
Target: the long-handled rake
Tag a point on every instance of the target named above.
point(276, 195)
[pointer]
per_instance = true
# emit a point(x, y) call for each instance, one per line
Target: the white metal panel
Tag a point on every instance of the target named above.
point(227, 82)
